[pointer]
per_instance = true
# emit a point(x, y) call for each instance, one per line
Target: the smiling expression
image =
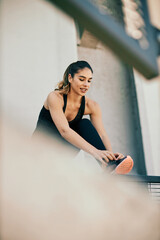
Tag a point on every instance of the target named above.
point(81, 81)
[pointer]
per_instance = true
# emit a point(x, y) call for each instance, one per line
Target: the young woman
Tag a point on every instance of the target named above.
point(61, 116)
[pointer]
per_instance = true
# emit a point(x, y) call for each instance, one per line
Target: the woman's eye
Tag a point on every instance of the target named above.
point(81, 79)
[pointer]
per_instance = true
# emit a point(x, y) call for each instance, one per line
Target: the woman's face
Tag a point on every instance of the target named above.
point(81, 81)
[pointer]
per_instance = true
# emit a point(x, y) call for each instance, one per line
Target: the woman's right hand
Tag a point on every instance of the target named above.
point(103, 156)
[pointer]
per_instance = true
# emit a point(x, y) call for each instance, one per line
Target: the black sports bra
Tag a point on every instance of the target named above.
point(45, 118)
point(80, 111)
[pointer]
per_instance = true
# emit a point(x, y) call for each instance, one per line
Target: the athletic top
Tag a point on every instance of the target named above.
point(80, 111)
point(45, 121)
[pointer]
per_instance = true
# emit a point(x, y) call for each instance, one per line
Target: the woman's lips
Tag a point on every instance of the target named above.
point(83, 89)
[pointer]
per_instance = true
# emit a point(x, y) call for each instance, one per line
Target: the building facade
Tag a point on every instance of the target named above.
point(39, 41)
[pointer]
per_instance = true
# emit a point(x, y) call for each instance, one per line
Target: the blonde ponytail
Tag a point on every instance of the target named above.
point(64, 85)
point(63, 89)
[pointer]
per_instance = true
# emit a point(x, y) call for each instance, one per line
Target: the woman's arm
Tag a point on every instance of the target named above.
point(96, 118)
point(55, 105)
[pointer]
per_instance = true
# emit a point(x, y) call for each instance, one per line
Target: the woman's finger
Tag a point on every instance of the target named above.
point(119, 156)
point(105, 159)
point(102, 159)
point(110, 155)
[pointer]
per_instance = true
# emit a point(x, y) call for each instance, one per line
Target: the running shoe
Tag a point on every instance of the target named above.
point(121, 166)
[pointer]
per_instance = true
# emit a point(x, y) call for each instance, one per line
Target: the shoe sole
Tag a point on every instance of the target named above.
point(125, 166)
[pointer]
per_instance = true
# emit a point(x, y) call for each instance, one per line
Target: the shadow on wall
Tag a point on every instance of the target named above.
point(44, 196)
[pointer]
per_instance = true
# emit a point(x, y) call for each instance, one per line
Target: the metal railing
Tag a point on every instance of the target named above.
point(151, 182)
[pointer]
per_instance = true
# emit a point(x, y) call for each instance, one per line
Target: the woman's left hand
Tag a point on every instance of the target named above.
point(118, 156)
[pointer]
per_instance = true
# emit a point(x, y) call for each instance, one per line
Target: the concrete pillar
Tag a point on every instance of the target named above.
point(114, 89)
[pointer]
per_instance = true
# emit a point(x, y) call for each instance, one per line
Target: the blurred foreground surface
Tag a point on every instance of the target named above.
point(47, 194)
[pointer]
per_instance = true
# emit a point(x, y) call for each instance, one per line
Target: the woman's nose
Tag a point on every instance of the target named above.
point(85, 83)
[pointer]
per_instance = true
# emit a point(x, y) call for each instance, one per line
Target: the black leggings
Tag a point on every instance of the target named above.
point(84, 128)
point(87, 131)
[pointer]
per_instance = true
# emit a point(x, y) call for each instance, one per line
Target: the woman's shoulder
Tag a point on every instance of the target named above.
point(91, 104)
point(55, 94)
point(53, 98)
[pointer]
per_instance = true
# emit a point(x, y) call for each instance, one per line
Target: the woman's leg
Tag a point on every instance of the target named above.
point(87, 131)
point(84, 128)
point(52, 132)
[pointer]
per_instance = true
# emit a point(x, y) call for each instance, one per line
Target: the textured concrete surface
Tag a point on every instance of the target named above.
point(38, 42)
point(114, 90)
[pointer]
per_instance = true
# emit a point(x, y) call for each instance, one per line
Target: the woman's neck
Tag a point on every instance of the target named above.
point(74, 98)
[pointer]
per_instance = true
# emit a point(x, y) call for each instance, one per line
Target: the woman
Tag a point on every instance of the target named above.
point(62, 115)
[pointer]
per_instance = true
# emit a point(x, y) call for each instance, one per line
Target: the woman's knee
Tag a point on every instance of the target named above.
point(85, 125)
point(84, 122)
point(90, 134)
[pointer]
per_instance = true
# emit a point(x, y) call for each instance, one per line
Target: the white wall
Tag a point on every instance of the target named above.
point(38, 42)
point(149, 104)
point(148, 93)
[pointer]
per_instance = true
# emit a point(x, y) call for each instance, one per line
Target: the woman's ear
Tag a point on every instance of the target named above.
point(69, 78)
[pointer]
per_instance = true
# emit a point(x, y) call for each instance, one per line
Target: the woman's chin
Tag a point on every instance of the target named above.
point(83, 93)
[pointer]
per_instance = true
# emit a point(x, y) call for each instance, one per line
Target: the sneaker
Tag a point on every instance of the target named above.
point(122, 166)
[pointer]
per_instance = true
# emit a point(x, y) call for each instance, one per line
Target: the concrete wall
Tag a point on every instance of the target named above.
point(133, 126)
point(113, 89)
point(34, 56)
